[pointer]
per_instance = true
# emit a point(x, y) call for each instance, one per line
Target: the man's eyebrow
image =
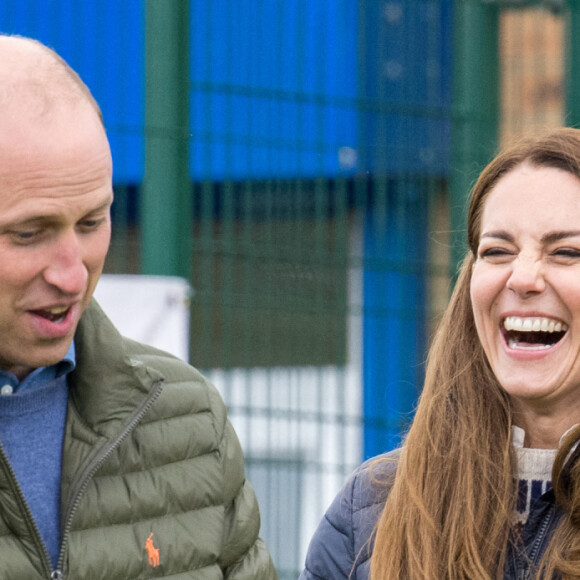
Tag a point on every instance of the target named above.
point(103, 207)
point(47, 217)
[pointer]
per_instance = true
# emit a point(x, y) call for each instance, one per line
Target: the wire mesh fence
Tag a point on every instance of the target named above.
point(320, 159)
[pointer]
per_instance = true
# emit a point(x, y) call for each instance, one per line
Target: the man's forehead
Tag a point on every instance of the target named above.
point(36, 79)
point(36, 138)
point(31, 76)
point(22, 57)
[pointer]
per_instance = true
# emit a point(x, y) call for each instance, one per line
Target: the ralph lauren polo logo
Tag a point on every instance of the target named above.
point(152, 551)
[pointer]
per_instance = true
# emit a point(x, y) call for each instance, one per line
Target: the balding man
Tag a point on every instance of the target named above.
point(117, 461)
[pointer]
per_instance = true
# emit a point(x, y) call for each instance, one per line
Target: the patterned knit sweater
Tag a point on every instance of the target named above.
point(534, 475)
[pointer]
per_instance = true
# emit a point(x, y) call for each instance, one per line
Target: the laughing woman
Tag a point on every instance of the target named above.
point(487, 483)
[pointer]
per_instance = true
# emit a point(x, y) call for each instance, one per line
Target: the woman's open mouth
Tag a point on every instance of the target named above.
point(532, 333)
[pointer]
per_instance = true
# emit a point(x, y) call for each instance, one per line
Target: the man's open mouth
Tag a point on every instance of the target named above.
point(533, 333)
point(56, 314)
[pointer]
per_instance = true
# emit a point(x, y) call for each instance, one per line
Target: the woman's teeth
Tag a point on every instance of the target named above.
point(534, 324)
point(513, 343)
point(533, 333)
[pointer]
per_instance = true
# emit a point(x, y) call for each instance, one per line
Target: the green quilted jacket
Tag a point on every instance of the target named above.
point(153, 479)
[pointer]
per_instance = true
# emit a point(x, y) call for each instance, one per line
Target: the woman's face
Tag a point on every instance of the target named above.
point(525, 287)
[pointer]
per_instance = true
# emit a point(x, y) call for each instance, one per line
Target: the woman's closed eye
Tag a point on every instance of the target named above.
point(495, 252)
point(568, 252)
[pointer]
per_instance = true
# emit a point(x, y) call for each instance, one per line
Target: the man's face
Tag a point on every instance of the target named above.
point(55, 198)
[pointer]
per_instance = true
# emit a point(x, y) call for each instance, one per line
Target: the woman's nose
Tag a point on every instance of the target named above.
point(527, 276)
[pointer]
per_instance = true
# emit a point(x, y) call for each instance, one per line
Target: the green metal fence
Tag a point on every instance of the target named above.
point(305, 164)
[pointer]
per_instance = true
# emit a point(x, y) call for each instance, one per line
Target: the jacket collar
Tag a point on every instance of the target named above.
point(108, 383)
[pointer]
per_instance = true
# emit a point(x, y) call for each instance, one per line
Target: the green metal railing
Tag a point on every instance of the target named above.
point(475, 107)
point(166, 196)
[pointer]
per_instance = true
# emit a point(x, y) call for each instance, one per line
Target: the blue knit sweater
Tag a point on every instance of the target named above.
point(32, 422)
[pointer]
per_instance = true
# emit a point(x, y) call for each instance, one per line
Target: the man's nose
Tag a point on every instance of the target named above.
point(527, 276)
point(67, 270)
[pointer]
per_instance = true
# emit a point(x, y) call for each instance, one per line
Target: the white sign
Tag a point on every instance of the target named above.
point(150, 309)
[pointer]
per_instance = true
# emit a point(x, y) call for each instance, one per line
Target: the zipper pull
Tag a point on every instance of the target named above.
point(56, 575)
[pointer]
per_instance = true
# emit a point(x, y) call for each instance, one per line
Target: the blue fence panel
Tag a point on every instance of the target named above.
point(406, 86)
point(104, 42)
point(274, 88)
point(405, 123)
point(394, 319)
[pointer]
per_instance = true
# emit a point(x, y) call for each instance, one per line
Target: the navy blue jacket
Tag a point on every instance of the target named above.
point(342, 545)
point(344, 539)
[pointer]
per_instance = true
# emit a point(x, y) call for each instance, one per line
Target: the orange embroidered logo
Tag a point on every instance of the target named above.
point(152, 551)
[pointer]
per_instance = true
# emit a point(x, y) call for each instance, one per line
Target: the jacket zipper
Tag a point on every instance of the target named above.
point(24, 507)
point(524, 573)
point(541, 533)
point(93, 467)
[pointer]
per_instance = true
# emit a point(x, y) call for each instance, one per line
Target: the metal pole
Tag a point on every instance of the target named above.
point(573, 66)
point(166, 207)
point(475, 108)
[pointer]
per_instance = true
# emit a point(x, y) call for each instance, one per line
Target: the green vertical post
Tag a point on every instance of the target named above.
point(166, 208)
point(573, 65)
point(475, 108)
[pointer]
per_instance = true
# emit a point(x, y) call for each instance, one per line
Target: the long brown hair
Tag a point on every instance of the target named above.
point(449, 511)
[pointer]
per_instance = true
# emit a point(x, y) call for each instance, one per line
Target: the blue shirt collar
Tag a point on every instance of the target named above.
point(40, 376)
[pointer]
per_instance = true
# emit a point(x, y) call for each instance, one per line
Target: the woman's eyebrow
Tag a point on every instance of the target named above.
point(548, 238)
point(557, 236)
point(499, 234)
